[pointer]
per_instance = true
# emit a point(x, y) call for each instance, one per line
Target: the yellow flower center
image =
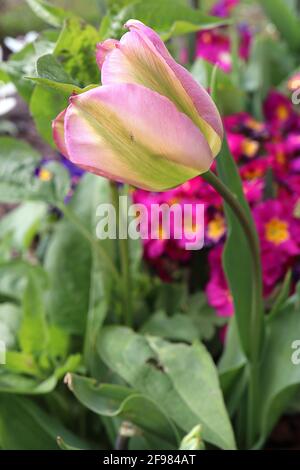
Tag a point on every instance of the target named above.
point(280, 157)
point(277, 231)
point(255, 125)
point(45, 175)
point(282, 113)
point(253, 173)
point(216, 228)
point(250, 147)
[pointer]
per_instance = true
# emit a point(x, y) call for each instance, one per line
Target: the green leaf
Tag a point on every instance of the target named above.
point(194, 366)
point(21, 363)
point(51, 14)
point(237, 257)
point(33, 334)
point(285, 19)
point(13, 277)
point(50, 73)
point(23, 63)
point(13, 383)
point(25, 426)
point(193, 440)
point(178, 327)
point(45, 105)
point(282, 296)
point(230, 98)
point(232, 368)
point(168, 17)
point(69, 260)
point(115, 400)
point(280, 376)
point(76, 51)
point(23, 223)
point(18, 164)
point(10, 317)
point(181, 379)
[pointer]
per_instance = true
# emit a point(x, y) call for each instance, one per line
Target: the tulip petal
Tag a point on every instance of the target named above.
point(132, 134)
point(201, 99)
point(141, 57)
point(59, 133)
point(103, 49)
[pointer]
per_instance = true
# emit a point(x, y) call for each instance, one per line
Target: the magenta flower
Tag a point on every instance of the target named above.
point(150, 124)
point(277, 227)
point(217, 290)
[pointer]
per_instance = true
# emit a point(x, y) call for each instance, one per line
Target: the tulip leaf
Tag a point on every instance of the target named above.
point(237, 256)
point(280, 373)
point(168, 17)
point(182, 379)
point(115, 400)
point(26, 426)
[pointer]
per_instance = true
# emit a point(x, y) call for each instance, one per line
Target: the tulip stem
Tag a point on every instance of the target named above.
point(75, 220)
point(256, 324)
point(124, 260)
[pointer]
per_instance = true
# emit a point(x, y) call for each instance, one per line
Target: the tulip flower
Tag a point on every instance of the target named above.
point(149, 124)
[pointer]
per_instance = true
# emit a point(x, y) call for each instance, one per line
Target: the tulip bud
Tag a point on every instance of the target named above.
point(150, 124)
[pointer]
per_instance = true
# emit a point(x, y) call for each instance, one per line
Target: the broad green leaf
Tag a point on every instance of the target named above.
point(33, 334)
point(168, 17)
point(10, 317)
point(21, 363)
point(285, 19)
point(232, 368)
point(25, 426)
point(177, 327)
point(194, 366)
point(115, 400)
point(13, 278)
point(23, 223)
point(237, 257)
point(12, 383)
point(280, 375)
point(51, 14)
point(18, 165)
point(45, 105)
point(181, 379)
point(69, 260)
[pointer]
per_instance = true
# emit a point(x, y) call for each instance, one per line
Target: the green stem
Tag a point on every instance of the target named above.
point(75, 220)
point(124, 261)
point(256, 322)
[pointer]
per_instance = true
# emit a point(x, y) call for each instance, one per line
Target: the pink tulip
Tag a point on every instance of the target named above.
point(149, 124)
